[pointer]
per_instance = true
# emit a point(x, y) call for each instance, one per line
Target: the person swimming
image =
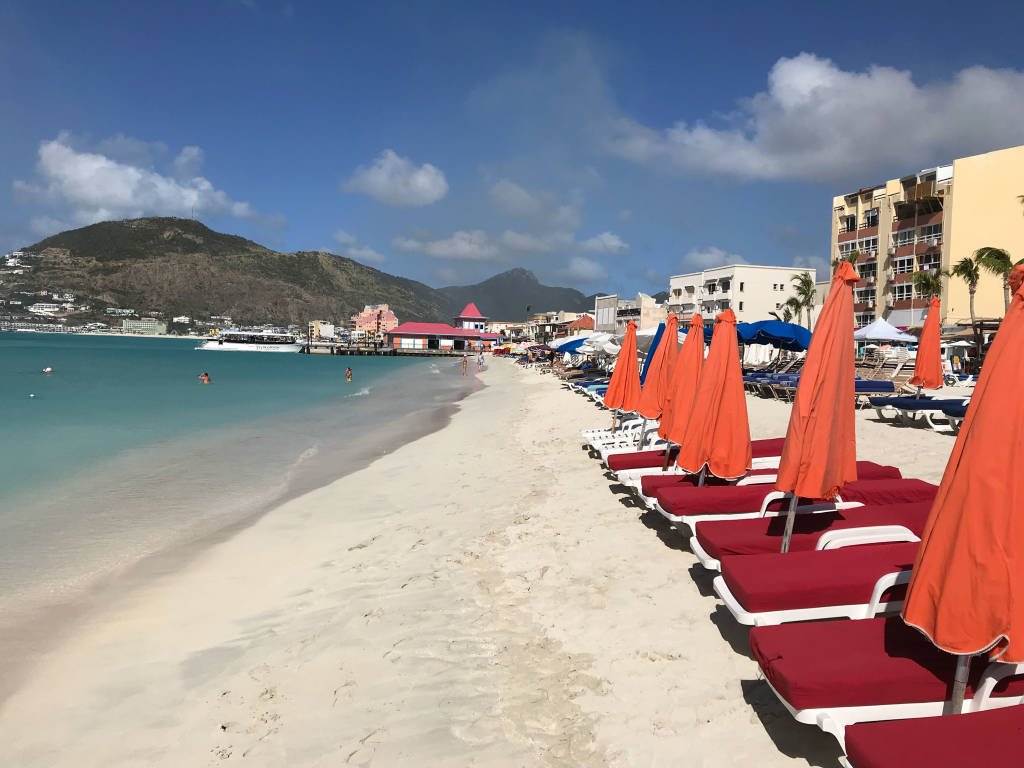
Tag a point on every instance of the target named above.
point(348, 374)
point(204, 377)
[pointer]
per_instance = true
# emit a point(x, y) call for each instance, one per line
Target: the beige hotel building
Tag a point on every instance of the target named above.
point(929, 221)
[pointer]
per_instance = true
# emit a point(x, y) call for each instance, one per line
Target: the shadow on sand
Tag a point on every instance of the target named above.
point(792, 739)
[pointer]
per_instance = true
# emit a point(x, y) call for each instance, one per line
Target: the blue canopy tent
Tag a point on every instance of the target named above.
point(708, 332)
point(788, 336)
point(572, 347)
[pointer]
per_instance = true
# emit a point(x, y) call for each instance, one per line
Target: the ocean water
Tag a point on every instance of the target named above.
point(122, 453)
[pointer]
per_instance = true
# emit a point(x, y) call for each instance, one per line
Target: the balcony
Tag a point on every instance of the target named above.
point(863, 306)
point(868, 230)
point(867, 257)
point(929, 243)
point(922, 220)
point(847, 236)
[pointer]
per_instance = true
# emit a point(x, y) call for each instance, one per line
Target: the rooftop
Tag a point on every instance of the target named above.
point(470, 313)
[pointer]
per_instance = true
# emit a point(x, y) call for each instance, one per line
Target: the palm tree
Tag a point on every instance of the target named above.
point(969, 270)
point(998, 262)
point(928, 283)
point(805, 292)
point(796, 308)
point(851, 257)
point(785, 316)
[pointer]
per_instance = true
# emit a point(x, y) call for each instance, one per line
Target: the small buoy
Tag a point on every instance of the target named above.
point(47, 370)
point(32, 395)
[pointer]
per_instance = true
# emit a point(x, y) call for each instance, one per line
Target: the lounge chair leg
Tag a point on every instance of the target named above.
point(668, 455)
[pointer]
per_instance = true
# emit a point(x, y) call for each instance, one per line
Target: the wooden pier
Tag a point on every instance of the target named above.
point(335, 348)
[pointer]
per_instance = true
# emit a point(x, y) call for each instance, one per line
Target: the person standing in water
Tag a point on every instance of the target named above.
point(204, 377)
point(480, 360)
point(348, 375)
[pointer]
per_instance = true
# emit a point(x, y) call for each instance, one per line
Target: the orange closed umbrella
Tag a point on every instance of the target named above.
point(655, 389)
point(820, 453)
point(683, 386)
point(624, 388)
point(967, 578)
point(928, 366)
point(717, 435)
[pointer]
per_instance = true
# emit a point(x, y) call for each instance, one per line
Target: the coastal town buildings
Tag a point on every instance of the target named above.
point(928, 221)
point(146, 326)
point(467, 333)
point(321, 330)
point(374, 321)
point(506, 329)
point(751, 291)
point(612, 313)
point(545, 326)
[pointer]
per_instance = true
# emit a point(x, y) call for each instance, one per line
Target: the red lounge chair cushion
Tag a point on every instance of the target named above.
point(776, 582)
point(639, 459)
point(764, 534)
point(866, 470)
point(856, 663)
point(644, 459)
point(684, 500)
point(994, 737)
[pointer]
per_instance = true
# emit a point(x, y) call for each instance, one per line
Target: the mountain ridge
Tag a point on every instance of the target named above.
point(181, 266)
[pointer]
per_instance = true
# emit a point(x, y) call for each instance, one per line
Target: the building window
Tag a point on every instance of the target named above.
point(868, 245)
point(904, 237)
point(778, 306)
point(847, 223)
point(868, 270)
point(741, 287)
point(931, 234)
point(845, 249)
point(903, 265)
point(929, 260)
point(902, 291)
point(741, 303)
point(871, 217)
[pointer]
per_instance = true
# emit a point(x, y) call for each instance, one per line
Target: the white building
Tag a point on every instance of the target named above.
point(144, 325)
point(750, 291)
point(181, 319)
point(43, 308)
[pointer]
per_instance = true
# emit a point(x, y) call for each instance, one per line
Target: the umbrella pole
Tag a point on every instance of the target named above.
point(963, 668)
point(700, 477)
point(640, 438)
point(668, 456)
point(790, 519)
point(614, 414)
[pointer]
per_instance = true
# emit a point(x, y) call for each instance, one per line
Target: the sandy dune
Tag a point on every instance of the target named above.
point(478, 598)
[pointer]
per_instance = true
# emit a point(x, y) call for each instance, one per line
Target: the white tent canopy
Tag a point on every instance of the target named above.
point(566, 339)
point(880, 330)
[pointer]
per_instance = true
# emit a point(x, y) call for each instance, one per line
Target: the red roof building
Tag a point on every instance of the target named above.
point(468, 333)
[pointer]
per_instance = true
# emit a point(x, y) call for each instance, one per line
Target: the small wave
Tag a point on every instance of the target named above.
point(434, 368)
point(361, 393)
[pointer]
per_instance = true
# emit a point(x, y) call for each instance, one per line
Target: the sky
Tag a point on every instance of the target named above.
point(605, 146)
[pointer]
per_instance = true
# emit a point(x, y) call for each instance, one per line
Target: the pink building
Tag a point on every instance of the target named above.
point(375, 320)
point(467, 333)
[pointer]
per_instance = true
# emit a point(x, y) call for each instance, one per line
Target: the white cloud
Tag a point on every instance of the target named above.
point(365, 254)
point(344, 238)
point(473, 245)
point(541, 210)
point(816, 121)
point(606, 242)
point(515, 200)
point(94, 187)
point(353, 249)
point(395, 180)
point(584, 270)
point(712, 256)
point(189, 163)
point(525, 242)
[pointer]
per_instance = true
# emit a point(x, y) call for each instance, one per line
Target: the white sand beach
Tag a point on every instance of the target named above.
point(480, 597)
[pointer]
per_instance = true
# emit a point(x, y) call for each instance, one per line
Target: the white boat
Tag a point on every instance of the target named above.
point(253, 341)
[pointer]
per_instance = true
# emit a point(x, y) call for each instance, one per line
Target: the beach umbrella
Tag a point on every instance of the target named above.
point(820, 452)
point(624, 388)
point(655, 387)
point(781, 335)
point(928, 366)
point(717, 436)
point(967, 577)
point(682, 386)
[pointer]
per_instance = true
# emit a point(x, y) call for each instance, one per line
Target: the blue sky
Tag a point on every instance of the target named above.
point(603, 145)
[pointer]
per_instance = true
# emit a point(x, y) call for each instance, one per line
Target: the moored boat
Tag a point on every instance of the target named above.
point(253, 341)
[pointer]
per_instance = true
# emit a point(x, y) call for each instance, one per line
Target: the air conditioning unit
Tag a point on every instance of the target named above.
point(871, 281)
point(891, 250)
point(889, 301)
point(891, 273)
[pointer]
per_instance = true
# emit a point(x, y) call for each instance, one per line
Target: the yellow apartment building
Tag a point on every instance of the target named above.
point(930, 220)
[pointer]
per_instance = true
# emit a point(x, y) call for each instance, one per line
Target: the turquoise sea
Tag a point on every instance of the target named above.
point(123, 453)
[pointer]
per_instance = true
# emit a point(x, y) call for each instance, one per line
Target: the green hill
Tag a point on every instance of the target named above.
point(180, 266)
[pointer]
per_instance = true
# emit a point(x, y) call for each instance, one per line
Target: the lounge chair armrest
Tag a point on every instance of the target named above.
point(883, 585)
point(873, 534)
point(772, 497)
point(757, 480)
point(994, 673)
